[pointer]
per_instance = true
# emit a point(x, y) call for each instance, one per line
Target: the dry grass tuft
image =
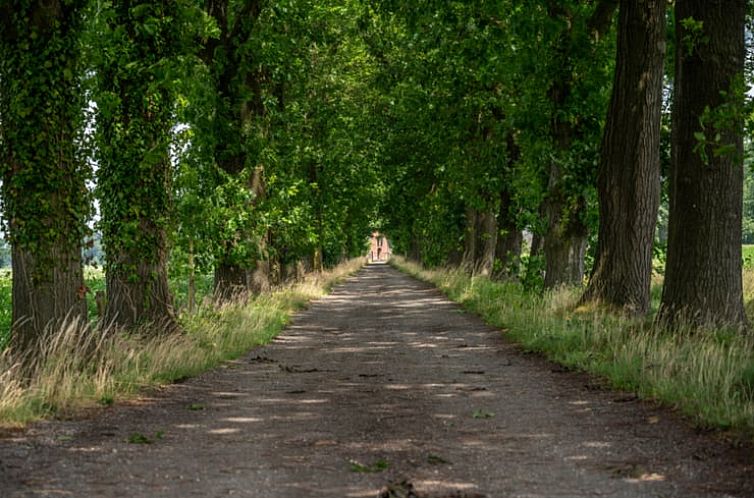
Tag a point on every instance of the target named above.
point(707, 374)
point(79, 367)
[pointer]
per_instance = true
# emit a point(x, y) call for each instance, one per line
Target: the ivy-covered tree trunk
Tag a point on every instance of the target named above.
point(228, 59)
point(43, 172)
point(703, 273)
point(509, 239)
point(628, 180)
point(134, 130)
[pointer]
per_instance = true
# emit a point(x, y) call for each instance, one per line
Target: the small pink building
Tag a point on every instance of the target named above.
point(379, 248)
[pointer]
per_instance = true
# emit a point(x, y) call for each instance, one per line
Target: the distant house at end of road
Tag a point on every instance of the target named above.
point(379, 248)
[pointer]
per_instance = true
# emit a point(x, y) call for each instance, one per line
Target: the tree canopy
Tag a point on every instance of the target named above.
point(257, 140)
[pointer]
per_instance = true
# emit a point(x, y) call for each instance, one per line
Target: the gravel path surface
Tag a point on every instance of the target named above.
point(383, 383)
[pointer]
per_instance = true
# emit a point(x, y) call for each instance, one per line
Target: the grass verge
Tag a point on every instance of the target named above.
point(707, 375)
point(79, 367)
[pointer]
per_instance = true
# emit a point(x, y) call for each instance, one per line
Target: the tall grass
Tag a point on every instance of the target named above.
point(79, 366)
point(707, 375)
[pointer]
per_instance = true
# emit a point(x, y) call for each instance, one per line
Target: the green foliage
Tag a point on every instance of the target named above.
point(470, 98)
point(139, 438)
point(378, 466)
point(138, 51)
point(44, 199)
point(482, 413)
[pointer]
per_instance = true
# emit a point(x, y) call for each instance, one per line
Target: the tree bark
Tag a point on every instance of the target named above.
point(137, 289)
point(487, 234)
point(43, 189)
point(509, 239)
point(566, 237)
point(237, 104)
point(135, 173)
point(470, 240)
point(703, 273)
point(565, 241)
point(628, 180)
point(230, 281)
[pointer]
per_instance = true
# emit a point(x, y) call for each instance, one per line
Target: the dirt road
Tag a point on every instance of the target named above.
point(384, 381)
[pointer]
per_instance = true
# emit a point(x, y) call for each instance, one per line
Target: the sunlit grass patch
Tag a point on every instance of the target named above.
point(708, 375)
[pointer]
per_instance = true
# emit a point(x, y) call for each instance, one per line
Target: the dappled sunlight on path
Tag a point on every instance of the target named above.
point(383, 381)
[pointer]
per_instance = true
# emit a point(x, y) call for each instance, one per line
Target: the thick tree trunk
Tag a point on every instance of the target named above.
point(230, 281)
point(565, 241)
point(703, 273)
point(43, 189)
point(135, 173)
point(566, 237)
point(628, 181)
point(41, 306)
point(137, 288)
point(239, 101)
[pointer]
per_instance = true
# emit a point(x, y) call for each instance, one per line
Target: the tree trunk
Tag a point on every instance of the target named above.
point(469, 240)
point(565, 241)
point(260, 275)
point(191, 277)
point(317, 263)
point(41, 306)
point(509, 239)
point(230, 281)
point(43, 188)
point(135, 173)
point(239, 102)
point(537, 244)
point(566, 237)
point(628, 181)
point(703, 273)
point(487, 234)
point(137, 289)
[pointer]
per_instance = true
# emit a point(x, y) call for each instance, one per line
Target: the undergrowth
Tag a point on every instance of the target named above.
point(707, 375)
point(79, 366)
